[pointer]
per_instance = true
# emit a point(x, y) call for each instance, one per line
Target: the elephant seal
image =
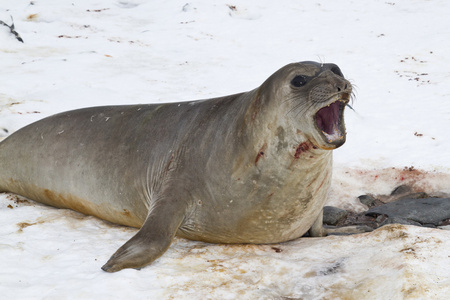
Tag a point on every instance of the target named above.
point(253, 167)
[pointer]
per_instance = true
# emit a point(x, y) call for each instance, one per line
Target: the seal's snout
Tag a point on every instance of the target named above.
point(338, 83)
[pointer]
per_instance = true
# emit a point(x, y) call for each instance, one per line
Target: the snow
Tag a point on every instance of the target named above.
point(88, 53)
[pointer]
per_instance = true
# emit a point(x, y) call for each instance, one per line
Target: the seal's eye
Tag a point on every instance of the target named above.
point(299, 80)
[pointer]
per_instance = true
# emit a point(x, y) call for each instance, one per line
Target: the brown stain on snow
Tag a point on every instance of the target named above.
point(23, 225)
point(32, 17)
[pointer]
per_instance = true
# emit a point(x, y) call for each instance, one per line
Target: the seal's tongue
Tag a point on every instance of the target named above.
point(327, 118)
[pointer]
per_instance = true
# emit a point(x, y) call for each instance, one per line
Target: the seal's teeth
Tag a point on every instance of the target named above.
point(335, 136)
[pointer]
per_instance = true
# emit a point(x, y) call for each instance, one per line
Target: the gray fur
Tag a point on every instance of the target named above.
point(246, 168)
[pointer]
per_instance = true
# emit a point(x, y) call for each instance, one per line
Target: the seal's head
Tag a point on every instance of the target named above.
point(316, 96)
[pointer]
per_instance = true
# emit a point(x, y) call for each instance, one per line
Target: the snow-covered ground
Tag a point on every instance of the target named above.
point(82, 53)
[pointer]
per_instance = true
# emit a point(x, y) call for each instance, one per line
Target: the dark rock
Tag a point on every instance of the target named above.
point(381, 218)
point(367, 200)
point(445, 222)
point(423, 211)
point(429, 225)
point(421, 195)
point(402, 189)
point(332, 215)
point(359, 219)
point(397, 220)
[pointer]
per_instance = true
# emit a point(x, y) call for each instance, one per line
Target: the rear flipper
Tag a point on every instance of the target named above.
point(152, 240)
point(318, 230)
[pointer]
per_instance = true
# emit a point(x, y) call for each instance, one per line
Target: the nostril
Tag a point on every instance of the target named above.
point(339, 88)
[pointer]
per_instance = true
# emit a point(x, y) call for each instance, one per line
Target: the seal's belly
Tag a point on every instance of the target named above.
point(268, 204)
point(276, 219)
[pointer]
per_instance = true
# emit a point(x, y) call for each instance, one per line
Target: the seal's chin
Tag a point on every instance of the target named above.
point(330, 123)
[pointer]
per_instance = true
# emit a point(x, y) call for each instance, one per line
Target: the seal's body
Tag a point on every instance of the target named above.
point(253, 167)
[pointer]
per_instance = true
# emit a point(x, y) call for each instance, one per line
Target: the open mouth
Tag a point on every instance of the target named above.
point(330, 122)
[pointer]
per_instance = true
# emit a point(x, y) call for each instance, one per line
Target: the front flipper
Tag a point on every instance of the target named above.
point(318, 230)
point(152, 240)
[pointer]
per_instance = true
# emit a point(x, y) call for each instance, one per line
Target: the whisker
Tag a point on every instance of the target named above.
point(302, 108)
point(290, 99)
point(299, 106)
